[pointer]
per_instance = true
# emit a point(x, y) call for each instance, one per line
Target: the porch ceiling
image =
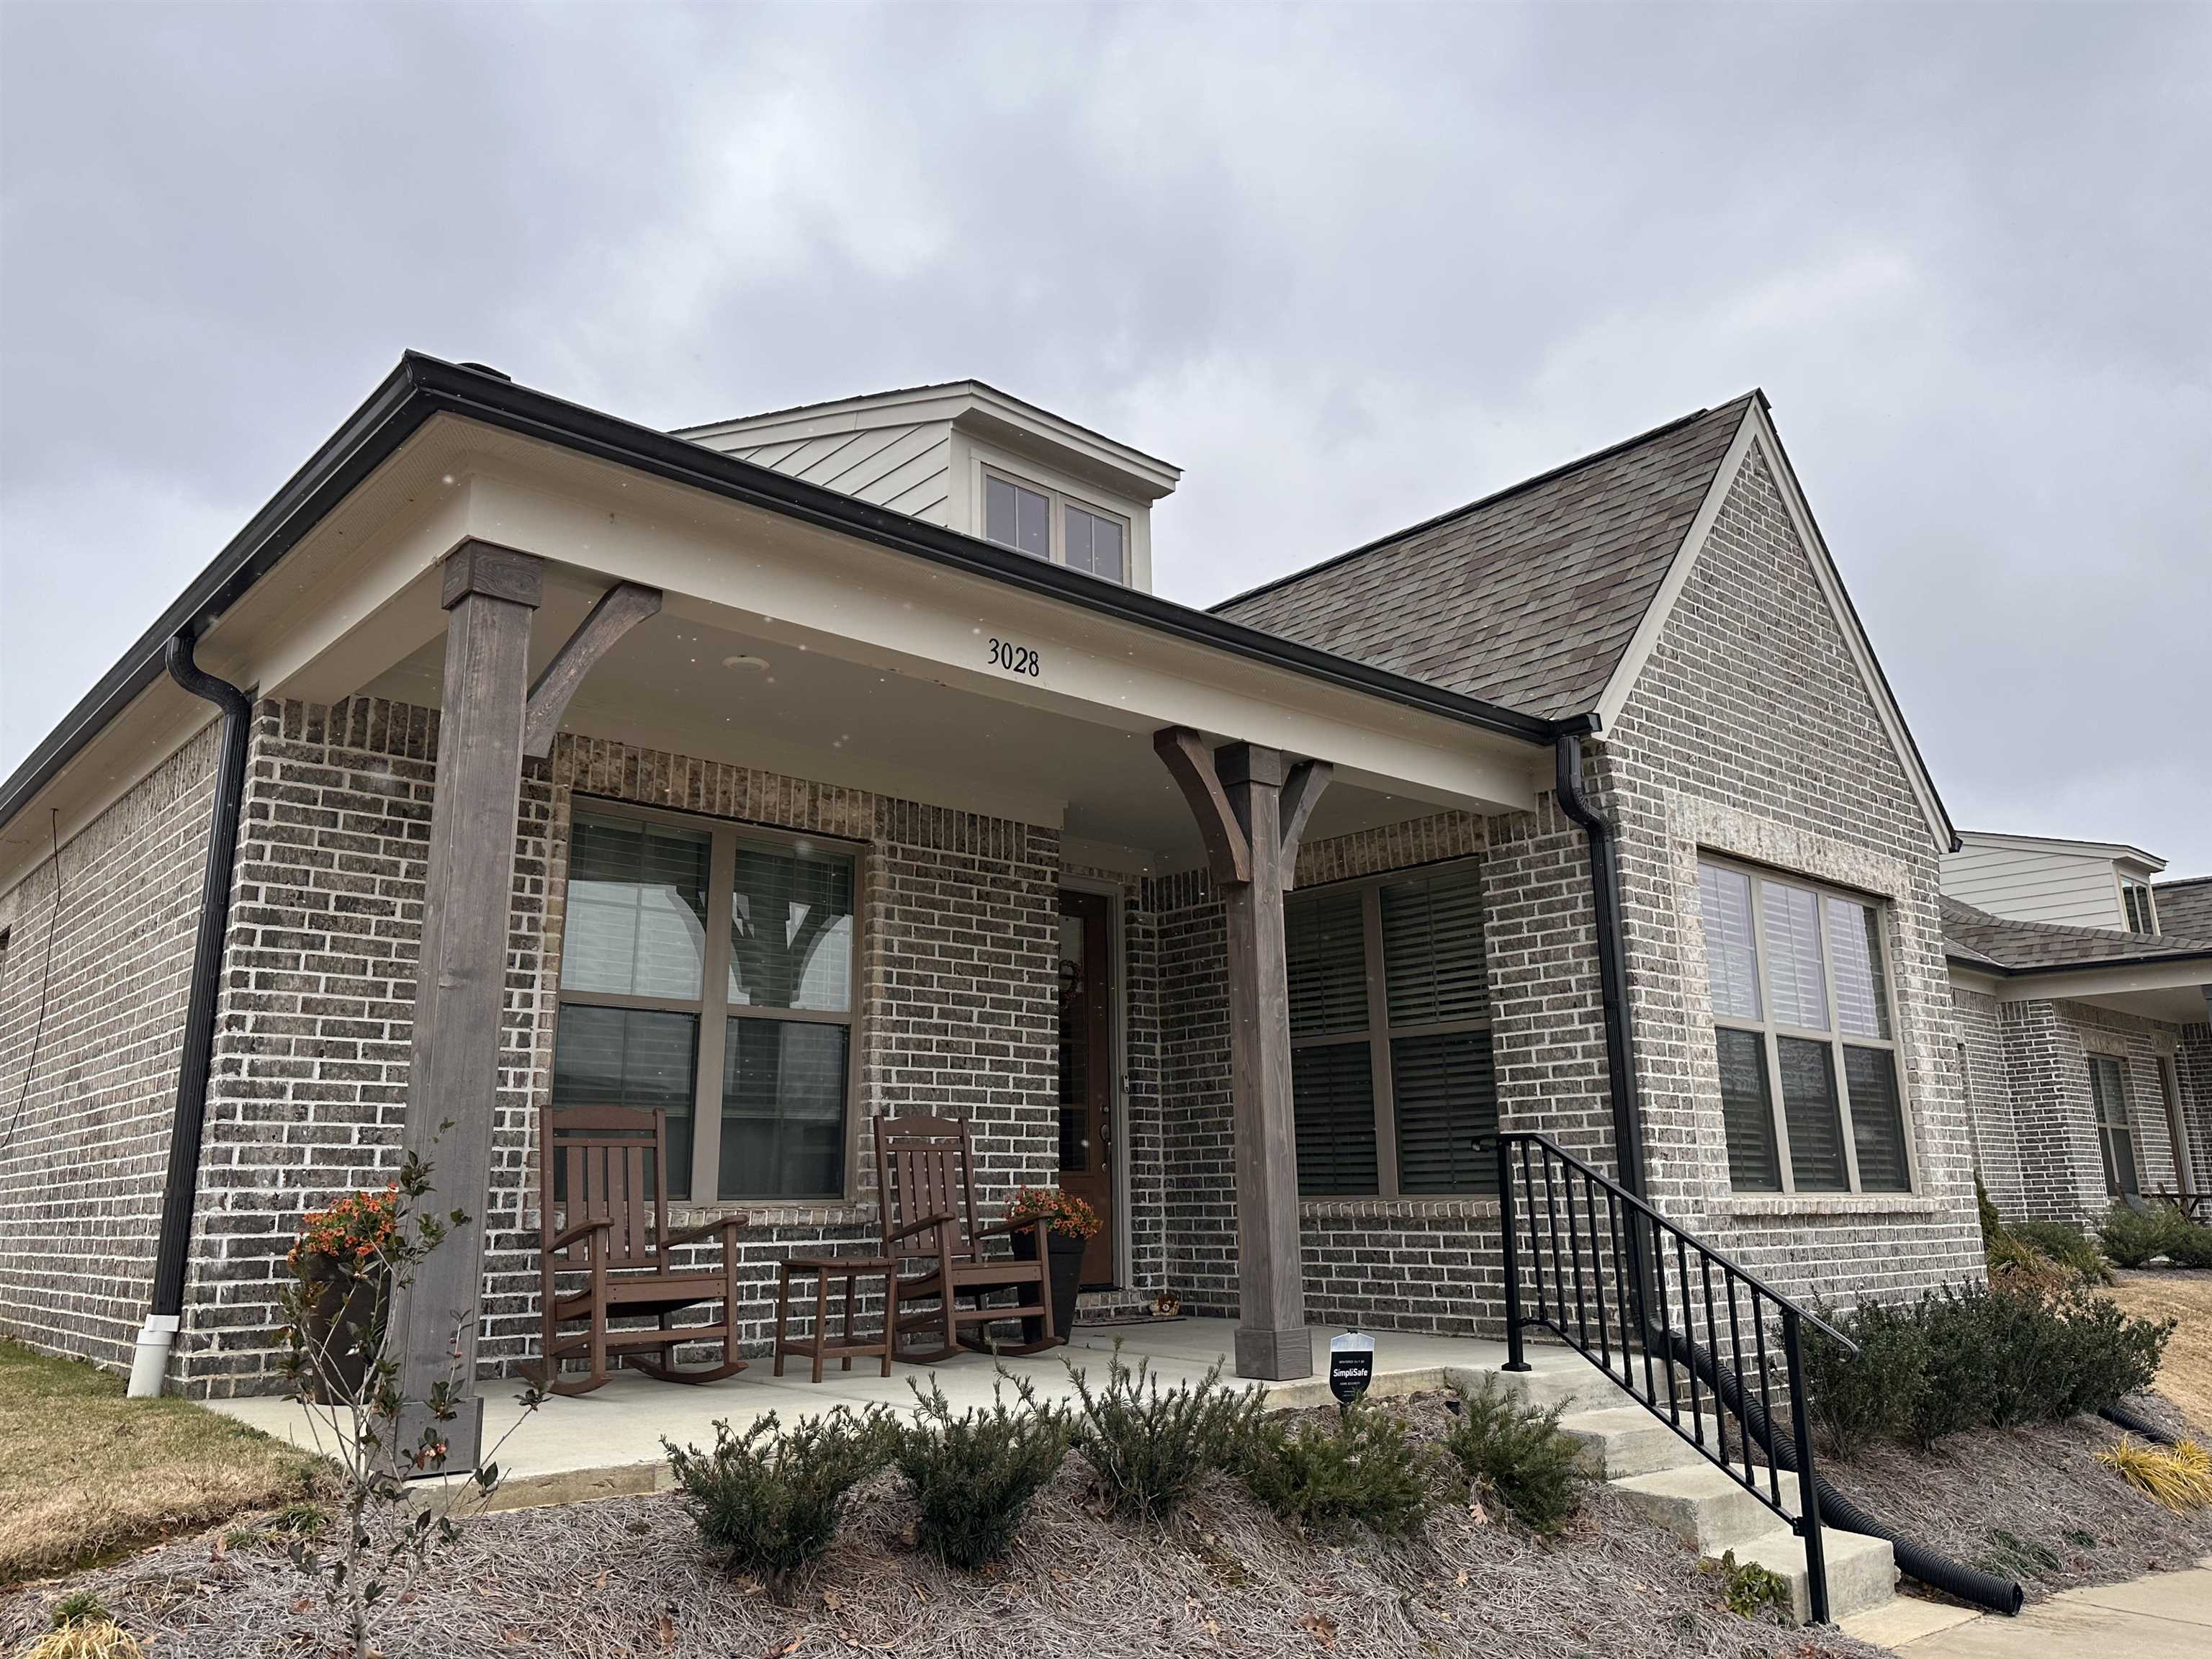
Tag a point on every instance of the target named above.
point(672, 684)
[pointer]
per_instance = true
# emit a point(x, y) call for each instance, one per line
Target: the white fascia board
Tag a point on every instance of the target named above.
point(1965, 978)
point(2118, 850)
point(1757, 431)
point(2107, 981)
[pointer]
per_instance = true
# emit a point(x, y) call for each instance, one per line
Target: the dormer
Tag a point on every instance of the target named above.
point(966, 456)
point(2077, 884)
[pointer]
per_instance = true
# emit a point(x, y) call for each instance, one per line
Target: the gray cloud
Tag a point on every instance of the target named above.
point(1347, 267)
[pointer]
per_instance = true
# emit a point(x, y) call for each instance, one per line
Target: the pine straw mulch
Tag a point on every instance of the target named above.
point(2031, 1503)
point(628, 1577)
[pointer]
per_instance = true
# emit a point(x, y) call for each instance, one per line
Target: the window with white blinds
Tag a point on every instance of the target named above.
point(756, 1079)
point(1390, 1001)
point(2116, 1140)
point(1803, 1034)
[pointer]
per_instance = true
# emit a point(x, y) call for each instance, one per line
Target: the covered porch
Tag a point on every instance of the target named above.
point(1019, 766)
point(609, 1443)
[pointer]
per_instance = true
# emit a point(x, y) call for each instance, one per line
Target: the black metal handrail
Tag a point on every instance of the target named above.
point(1627, 1250)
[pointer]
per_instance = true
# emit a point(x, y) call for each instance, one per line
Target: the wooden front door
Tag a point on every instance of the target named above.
point(1086, 1070)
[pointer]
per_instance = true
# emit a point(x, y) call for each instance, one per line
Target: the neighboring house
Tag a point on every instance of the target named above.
point(2084, 991)
point(1625, 843)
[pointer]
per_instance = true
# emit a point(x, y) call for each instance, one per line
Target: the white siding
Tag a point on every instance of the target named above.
point(906, 468)
point(2035, 884)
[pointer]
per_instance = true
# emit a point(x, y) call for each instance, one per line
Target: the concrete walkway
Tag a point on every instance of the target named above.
point(607, 1443)
point(2165, 1615)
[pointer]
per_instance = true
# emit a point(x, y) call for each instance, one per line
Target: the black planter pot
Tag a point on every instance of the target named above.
point(340, 1307)
point(1067, 1275)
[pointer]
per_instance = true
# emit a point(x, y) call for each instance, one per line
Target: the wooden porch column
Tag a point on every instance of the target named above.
point(1252, 813)
point(490, 595)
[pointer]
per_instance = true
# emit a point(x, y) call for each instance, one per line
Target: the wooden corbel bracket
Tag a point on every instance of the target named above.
point(1228, 854)
point(620, 609)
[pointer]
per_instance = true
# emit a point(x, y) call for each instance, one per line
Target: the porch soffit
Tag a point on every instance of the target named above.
point(353, 608)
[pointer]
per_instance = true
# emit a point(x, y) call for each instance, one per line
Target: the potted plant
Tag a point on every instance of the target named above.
point(1069, 1224)
point(342, 1261)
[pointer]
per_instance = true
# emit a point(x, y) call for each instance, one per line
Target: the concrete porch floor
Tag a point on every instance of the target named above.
point(607, 1443)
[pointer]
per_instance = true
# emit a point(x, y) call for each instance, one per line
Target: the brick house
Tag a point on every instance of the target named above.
point(1597, 818)
point(2083, 987)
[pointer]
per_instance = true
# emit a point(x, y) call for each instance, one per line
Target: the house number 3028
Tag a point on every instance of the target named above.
point(1014, 658)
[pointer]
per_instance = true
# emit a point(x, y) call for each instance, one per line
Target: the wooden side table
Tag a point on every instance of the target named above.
point(852, 1269)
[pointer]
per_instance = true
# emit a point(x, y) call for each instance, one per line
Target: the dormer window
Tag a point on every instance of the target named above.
point(1093, 542)
point(1023, 516)
point(2135, 896)
point(1016, 516)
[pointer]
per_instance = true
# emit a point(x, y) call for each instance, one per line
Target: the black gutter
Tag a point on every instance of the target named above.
point(422, 388)
point(1611, 952)
point(206, 972)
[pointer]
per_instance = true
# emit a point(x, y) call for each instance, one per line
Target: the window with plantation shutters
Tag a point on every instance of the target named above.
point(2116, 1140)
point(707, 971)
point(1803, 1035)
point(1389, 1003)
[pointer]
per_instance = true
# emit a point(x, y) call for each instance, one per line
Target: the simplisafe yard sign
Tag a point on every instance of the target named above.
point(1351, 1366)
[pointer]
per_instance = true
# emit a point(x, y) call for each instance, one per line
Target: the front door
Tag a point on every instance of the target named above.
point(1086, 1070)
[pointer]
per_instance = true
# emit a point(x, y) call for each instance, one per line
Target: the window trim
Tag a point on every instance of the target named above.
point(724, 836)
point(1369, 889)
point(1057, 501)
point(2137, 889)
point(1771, 1031)
point(2106, 1127)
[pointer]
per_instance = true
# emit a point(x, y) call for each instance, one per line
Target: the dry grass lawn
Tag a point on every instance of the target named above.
point(2185, 1378)
point(86, 1473)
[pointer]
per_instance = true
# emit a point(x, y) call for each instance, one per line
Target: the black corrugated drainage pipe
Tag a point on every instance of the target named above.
point(1913, 1560)
point(1611, 954)
point(159, 1331)
point(2135, 1422)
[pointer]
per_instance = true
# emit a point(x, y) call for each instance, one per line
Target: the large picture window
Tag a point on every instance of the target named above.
point(1391, 1076)
point(709, 971)
point(1806, 1037)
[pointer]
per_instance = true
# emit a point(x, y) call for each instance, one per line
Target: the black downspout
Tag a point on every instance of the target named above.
point(1611, 954)
point(193, 1064)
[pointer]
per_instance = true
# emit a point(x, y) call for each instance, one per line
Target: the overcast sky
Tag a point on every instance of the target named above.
point(1347, 267)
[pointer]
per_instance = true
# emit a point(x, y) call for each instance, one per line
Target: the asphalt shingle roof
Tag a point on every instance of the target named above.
point(1529, 597)
point(2185, 906)
point(2003, 945)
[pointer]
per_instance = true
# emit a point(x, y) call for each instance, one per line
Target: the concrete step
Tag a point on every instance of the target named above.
point(1862, 1572)
point(1555, 1378)
point(1706, 1509)
point(1619, 1441)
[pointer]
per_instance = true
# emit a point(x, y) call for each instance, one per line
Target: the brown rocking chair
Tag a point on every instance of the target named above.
point(928, 1191)
point(600, 1153)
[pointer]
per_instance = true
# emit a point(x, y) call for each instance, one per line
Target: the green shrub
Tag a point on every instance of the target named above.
point(1748, 1589)
point(1324, 1478)
point(1148, 1447)
point(972, 1475)
point(2133, 1235)
point(2069, 1247)
point(1965, 1356)
point(1858, 1399)
point(1520, 1453)
point(770, 1503)
point(2191, 1245)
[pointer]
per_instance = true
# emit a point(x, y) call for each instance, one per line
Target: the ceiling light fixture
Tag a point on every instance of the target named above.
point(756, 663)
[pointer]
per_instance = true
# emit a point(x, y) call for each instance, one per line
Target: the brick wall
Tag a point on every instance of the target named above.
point(2193, 1061)
point(1987, 1082)
point(2047, 1047)
point(1751, 733)
point(956, 993)
point(84, 1135)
